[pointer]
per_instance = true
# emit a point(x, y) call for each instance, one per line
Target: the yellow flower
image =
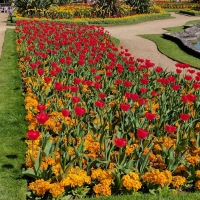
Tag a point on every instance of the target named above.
point(131, 181)
point(197, 173)
point(56, 189)
point(40, 187)
point(101, 189)
point(178, 181)
point(197, 184)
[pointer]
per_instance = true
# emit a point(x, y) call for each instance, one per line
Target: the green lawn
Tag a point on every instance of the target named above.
point(164, 196)
point(12, 124)
point(165, 46)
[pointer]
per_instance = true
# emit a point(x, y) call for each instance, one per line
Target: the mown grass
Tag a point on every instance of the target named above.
point(164, 196)
point(173, 50)
point(12, 124)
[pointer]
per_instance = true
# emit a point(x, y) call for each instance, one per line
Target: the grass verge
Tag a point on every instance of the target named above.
point(115, 41)
point(12, 124)
point(164, 196)
point(171, 49)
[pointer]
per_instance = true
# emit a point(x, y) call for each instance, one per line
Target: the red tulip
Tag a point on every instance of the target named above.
point(188, 77)
point(75, 99)
point(171, 79)
point(184, 117)
point(178, 71)
point(184, 98)
point(77, 81)
point(97, 78)
point(33, 135)
point(176, 87)
point(42, 118)
point(108, 74)
point(119, 142)
point(154, 93)
point(79, 111)
point(191, 97)
point(97, 85)
point(125, 107)
point(74, 88)
point(58, 86)
point(170, 129)
point(142, 134)
point(65, 113)
point(118, 82)
point(99, 104)
point(131, 68)
point(53, 73)
point(135, 97)
point(41, 107)
point(197, 78)
point(102, 95)
point(40, 71)
point(54, 64)
point(150, 116)
point(144, 81)
point(159, 69)
point(127, 83)
point(196, 85)
point(191, 71)
point(143, 90)
point(62, 60)
point(47, 79)
point(142, 101)
point(128, 95)
point(88, 83)
point(93, 70)
point(70, 71)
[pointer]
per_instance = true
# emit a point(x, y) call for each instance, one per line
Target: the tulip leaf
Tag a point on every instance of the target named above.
point(31, 173)
point(48, 148)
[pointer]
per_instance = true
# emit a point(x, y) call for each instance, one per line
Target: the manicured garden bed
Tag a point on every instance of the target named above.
point(100, 121)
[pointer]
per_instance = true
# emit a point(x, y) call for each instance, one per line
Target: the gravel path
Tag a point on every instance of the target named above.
point(143, 48)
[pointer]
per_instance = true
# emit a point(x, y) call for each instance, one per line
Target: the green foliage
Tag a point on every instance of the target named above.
point(108, 8)
point(24, 5)
point(63, 2)
point(140, 6)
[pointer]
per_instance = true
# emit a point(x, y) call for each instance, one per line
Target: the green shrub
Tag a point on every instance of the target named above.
point(140, 6)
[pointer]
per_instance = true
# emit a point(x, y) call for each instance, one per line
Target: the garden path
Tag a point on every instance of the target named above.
point(3, 27)
point(143, 48)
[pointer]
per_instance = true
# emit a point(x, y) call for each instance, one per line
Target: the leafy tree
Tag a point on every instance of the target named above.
point(140, 6)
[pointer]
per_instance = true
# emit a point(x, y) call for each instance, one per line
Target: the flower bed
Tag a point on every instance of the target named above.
point(184, 5)
point(101, 122)
point(80, 11)
point(190, 12)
